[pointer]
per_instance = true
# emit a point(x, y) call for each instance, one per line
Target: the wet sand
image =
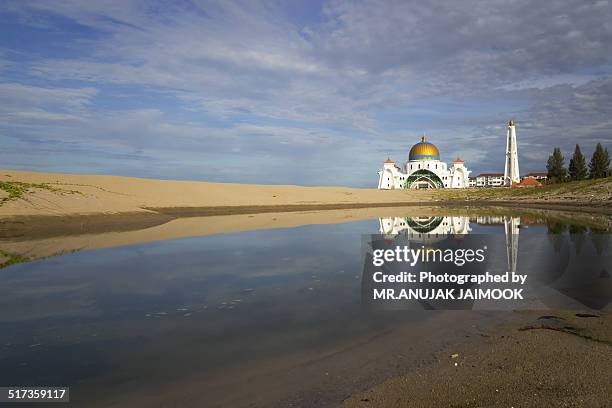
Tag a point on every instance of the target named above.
point(537, 360)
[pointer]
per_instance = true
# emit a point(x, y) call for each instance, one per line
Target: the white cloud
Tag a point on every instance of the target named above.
point(15, 94)
point(275, 85)
point(31, 106)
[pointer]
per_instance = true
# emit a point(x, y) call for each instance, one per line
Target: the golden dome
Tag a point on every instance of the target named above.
point(424, 151)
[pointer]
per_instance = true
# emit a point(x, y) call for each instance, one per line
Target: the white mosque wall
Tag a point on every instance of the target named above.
point(391, 177)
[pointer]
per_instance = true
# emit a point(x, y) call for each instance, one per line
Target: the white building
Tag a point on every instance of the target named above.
point(423, 170)
point(490, 180)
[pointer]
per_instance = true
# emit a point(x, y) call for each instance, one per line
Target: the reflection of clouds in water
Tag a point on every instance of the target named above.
point(288, 288)
point(23, 301)
point(163, 276)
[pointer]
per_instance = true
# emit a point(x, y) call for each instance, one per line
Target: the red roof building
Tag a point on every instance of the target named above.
point(527, 182)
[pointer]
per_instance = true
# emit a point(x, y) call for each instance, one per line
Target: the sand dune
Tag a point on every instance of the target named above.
point(55, 194)
point(64, 194)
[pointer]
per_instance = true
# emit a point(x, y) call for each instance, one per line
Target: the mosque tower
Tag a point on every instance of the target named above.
point(511, 170)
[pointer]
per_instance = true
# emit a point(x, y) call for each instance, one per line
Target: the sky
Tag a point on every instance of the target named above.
point(299, 92)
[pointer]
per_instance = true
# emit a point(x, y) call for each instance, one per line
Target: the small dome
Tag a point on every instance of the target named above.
point(424, 151)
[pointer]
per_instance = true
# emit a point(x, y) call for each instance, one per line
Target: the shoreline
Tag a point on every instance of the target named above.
point(29, 238)
point(69, 224)
point(236, 210)
point(41, 226)
point(51, 213)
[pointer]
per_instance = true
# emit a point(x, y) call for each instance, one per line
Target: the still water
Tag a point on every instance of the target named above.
point(119, 323)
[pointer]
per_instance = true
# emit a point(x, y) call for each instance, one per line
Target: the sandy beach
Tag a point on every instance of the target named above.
point(27, 193)
point(69, 194)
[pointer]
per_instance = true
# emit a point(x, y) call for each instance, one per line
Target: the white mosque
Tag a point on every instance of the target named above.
point(423, 170)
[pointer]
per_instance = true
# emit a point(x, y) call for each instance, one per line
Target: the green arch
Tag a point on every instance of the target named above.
point(424, 175)
point(424, 226)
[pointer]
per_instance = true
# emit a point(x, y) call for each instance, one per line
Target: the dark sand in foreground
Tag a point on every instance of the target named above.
point(552, 360)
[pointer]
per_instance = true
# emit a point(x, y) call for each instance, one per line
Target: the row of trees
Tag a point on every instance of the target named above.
point(599, 166)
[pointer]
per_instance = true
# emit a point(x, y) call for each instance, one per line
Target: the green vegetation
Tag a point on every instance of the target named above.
point(16, 190)
point(597, 191)
point(11, 259)
point(599, 167)
point(556, 166)
point(600, 162)
point(577, 165)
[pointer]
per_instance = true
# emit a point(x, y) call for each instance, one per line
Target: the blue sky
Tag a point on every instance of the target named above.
point(302, 92)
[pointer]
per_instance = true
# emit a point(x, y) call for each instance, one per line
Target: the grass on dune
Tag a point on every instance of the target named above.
point(585, 190)
point(15, 190)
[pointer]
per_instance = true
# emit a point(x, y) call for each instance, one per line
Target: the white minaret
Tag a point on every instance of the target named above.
point(511, 170)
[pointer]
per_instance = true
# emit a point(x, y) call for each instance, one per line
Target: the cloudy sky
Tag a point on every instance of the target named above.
point(299, 92)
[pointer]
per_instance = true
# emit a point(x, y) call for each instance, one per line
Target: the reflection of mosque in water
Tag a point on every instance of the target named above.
point(563, 269)
point(435, 228)
point(440, 226)
point(424, 227)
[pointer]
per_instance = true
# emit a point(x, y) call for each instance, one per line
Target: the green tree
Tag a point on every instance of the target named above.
point(556, 166)
point(577, 166)
point(600, 162)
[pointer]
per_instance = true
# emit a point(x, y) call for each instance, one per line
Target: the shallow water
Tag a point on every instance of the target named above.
point(134, 319)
